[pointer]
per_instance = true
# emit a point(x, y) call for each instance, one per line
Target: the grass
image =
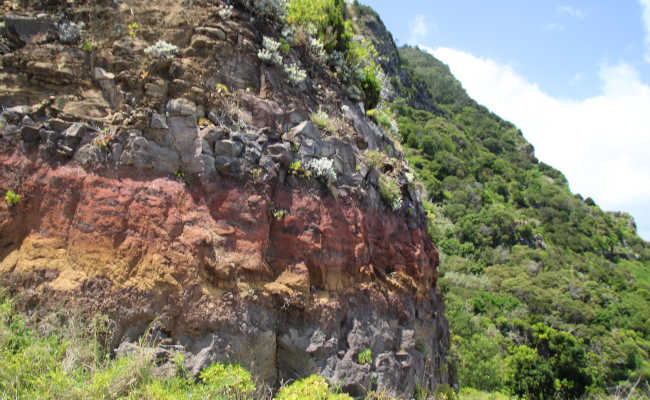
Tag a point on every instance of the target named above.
point(323, 121)
point(69, 360)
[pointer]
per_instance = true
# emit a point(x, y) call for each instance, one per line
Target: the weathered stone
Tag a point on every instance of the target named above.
point(228, 148)
point(202, 42)
point(214, 33)
point(157, 90)
point(30, 133)
point(280, 153)
point(228, 166)
point(158, 121)
point(29, 29)
point(90, 154)
point(252, 154)
point(143, 153)
point(106, 81)
point(211, 134)
point(181, 107)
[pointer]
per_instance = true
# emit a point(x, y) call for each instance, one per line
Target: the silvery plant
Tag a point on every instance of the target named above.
point(322, 168)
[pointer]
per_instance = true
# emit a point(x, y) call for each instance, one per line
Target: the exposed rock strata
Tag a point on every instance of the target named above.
point(143, 197)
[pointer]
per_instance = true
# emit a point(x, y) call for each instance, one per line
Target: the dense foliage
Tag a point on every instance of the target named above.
point(68, 360)
point(547, 295)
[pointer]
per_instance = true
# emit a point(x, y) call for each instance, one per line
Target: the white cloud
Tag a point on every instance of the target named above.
point(645, 8)
point(601, 143)
point(419, 29)
point(572, 11)
point(553, 27)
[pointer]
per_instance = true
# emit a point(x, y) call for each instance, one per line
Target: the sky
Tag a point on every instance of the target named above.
point(574, 76)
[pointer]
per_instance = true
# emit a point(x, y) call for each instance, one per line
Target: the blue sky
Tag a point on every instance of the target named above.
point(573, 75)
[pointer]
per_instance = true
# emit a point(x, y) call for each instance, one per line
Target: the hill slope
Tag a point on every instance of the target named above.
point(546, 293)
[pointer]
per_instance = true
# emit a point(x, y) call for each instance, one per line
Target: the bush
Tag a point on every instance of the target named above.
point(311, 388)
point(229, 380)
point(323, 121)
point(12, 198)
point(365, 357)
point(327, 17)
point(322, 168)
point(296, 74)
point(371, 86)
point(390, 192)
point(161, 49)
point(528, 374)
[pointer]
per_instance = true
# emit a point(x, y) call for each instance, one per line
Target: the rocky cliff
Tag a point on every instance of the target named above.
point(173, 180)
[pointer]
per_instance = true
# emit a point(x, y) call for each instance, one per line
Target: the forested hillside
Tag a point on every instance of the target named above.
point(545, 291)
point(547, 294)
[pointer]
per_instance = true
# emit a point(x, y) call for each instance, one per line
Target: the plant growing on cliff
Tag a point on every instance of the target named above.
point(11, 198)
point(390, 192)
point(322, 168)
point(365, 357)
point(310, 388)
point(323, 121)
point(295, 74)
point(133, 29)
point(279, 214)
point(161, 49)
point(87, 46)
point(270, 53)
point(232, 380)
point(225, 12)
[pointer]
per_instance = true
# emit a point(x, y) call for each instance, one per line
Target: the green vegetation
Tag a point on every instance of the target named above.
point(279, 214)
point(390, 192)
point(547, 295)
point(311, 388)
point(70, 361)
point(295, 167)
point(87, 46)
point(365, 357)
point(326, 17)
point(323, 121)
point(11, 198)
point(133, 29)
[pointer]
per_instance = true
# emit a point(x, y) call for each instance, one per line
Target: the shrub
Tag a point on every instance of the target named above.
point(279, 214)
point(310, 388)
point(390, 192)
point(323, 120)
point(328, 19)
point(133, 28)
point(370, 85)
point(296, 74)
point(161, 49)
point(528, 374)
point(323, 168)
point(295, 167)
point(270, 52)
point(229, 380)
point(87, 46)
point(365, 357)
point(269, 9)
point(12, 198)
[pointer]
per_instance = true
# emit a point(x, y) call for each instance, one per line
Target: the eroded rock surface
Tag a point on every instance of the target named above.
point(154, 195)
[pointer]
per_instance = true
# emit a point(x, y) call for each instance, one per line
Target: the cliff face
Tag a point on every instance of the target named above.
point(185, 195)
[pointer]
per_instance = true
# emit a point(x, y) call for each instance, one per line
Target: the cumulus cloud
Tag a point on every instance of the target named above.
point(601, 143)
point(645, 13)
point(419, 29)
point(571, 11)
